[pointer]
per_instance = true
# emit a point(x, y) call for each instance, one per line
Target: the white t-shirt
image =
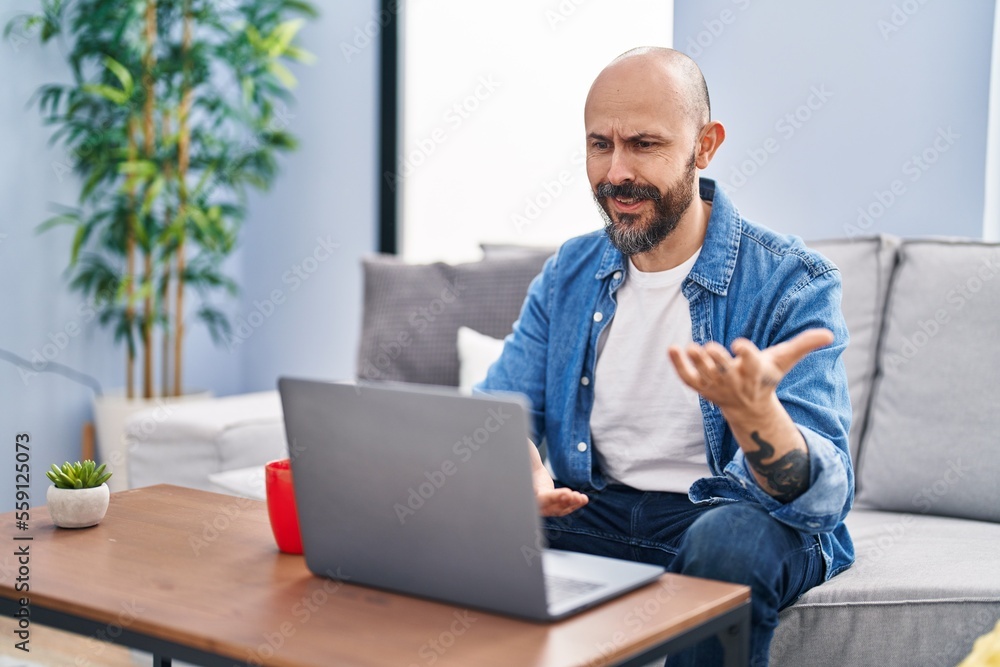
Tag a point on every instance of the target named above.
point(646, 425)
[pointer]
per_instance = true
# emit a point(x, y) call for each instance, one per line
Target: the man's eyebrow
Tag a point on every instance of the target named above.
point(642, 136)
point(646, 136)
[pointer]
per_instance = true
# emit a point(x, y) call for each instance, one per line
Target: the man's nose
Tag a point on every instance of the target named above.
point(621, 167)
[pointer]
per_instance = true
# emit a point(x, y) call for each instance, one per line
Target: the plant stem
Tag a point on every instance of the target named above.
point(165, 289)
point(149, 130)
point(130, 268)
point(183, 160)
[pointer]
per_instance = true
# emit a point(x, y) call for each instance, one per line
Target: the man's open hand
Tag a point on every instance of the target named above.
point(743, 386)
point(745, 380)
point(552, 501)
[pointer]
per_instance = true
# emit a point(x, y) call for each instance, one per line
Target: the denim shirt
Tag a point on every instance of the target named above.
point(747, 282)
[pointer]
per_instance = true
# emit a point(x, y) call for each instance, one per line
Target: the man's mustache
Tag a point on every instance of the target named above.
point(628, 190)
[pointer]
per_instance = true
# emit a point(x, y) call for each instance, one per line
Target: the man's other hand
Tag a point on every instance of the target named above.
point(552, 501)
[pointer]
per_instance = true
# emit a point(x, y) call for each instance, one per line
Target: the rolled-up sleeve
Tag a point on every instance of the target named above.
point(815, 395)
point(822, 506)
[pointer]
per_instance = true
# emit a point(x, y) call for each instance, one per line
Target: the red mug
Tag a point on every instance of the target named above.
point(281, 509)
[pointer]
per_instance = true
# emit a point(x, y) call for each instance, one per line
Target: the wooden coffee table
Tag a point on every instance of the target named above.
point(196, 576)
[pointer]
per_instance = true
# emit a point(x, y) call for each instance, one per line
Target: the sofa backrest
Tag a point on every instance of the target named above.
point(921, 365)
point(932, 440)
point(865, 265)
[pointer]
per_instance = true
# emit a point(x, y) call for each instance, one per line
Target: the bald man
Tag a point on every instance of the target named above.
point(684, 365)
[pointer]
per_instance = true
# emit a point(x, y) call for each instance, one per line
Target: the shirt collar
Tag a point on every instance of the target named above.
point(715, 266)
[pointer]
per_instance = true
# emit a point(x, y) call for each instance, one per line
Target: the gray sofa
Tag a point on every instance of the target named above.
point(924, 376)
point(923, 372)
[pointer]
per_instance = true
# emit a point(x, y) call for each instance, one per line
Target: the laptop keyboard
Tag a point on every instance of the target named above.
point(559, 589)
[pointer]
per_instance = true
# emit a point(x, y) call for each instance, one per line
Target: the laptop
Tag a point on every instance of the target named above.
point(424, 491)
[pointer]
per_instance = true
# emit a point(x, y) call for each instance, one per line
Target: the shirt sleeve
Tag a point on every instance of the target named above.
point(815, 395)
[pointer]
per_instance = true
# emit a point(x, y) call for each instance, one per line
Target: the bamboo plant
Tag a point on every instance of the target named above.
point(174, 111)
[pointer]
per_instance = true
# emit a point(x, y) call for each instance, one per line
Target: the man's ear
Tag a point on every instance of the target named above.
point(709, 140)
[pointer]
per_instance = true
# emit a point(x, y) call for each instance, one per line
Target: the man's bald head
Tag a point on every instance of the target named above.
point(667, 68)
point(649, 131)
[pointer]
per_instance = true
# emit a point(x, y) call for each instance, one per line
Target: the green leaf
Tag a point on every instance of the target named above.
point(282, 74)
point(121, 73)
point(301, 7)
point(107, 92)
point(247, 86)
point(140, 168)
point(218, 324)
point(55, 221)
point(282, 36)
point(253, 36)
point(152, 192)
point(300, 55)
point(78, 240)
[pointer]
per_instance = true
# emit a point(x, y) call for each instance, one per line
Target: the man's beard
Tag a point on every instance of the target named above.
point(628, 233)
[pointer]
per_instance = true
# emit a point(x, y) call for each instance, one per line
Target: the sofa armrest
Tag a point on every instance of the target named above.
point(203, 438)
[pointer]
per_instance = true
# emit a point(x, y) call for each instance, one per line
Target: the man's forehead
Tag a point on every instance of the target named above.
point(628, 128)
point(631, 116)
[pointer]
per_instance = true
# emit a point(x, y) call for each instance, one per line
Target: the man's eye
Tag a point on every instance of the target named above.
point(600, 145)
point(644, 144)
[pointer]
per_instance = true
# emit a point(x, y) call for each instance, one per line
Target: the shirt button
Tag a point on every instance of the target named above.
point(618, 275)
point(585, 380)
point(598, 316)
point(582, 447)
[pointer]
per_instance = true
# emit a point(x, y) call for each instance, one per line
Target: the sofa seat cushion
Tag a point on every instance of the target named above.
point(246, 482)
point(200, 438)
point(921, 586)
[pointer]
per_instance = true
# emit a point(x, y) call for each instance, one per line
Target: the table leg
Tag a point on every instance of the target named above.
point(736, 641)
point(732, 628)
point(160, 660)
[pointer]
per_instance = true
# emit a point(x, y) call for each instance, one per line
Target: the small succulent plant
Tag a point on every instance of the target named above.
point(79, 475)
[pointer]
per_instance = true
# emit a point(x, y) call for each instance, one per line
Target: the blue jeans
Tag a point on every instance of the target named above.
point(735, 542)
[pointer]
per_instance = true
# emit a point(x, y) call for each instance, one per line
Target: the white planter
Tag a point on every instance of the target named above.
point(77, 508)
point(111, 412)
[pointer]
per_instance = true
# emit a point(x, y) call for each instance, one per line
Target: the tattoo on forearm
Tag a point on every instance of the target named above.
point(788, 476)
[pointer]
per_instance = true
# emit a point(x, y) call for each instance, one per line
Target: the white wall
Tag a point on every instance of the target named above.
point(828, 105)
point(493, 135)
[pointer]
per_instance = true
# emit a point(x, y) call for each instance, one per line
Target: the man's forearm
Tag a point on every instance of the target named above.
point(774, 448)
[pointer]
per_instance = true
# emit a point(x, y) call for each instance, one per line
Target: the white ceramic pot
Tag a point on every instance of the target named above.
point(112, 412)
point(78, 508)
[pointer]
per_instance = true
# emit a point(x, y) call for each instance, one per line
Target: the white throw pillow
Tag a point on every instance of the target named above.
point(476, 353)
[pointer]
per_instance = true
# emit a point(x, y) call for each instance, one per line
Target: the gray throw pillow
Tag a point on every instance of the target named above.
point(412, 313)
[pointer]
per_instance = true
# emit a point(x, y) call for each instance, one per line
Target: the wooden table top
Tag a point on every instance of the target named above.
point(202, 570)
